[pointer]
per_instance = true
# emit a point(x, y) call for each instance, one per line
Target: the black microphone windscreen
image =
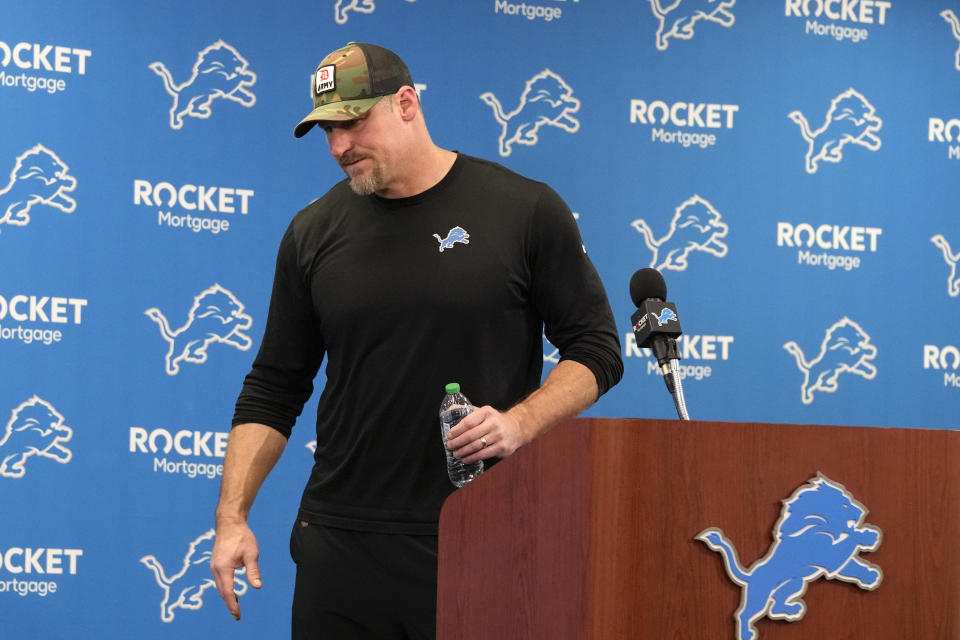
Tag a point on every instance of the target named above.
point(647, 283)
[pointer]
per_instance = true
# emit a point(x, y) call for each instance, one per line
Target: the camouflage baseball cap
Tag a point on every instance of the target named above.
point(349, 81)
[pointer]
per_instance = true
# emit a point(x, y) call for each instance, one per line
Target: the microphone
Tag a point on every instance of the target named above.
point(656, 325)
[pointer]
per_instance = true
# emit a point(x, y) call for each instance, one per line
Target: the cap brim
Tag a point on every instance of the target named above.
point(335, 112)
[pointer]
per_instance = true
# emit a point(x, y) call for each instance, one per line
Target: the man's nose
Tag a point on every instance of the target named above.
point(338, 140)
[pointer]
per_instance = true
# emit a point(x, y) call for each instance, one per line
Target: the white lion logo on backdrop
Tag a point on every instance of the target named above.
point(686, 15)
point(216, 316)
point(546, 100)
point(951, 18)
point(850, 120)
point(219, 72)
point(696, 226)
point(38, 177)
point(952, 260)
point(342, 7)
point(35, 429)
point(846, 348)
point(184, 589)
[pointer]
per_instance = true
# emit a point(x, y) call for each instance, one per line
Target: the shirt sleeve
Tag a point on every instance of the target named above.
point(569, 294)
point(281, 379)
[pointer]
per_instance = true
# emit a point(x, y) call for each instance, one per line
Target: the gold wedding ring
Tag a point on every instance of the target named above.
point(483, 442)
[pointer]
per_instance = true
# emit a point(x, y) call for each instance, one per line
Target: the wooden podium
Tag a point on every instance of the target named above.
point(589, 532)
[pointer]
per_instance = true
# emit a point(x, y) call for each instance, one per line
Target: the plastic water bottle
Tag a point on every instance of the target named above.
point(452, 410)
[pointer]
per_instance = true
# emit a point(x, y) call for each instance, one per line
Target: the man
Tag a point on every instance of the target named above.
point(425, 266)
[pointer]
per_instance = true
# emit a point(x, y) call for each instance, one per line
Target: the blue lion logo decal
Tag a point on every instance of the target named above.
point(666, 315)
point(820, 533)
point(455, 235)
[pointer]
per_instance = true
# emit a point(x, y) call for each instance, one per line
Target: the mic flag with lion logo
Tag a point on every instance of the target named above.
point(820, 533)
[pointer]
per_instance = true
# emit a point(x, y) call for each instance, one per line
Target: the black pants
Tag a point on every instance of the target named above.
point(357, 585)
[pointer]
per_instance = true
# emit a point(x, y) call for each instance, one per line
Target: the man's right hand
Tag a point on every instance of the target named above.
point(252, 451)
point(234, 547)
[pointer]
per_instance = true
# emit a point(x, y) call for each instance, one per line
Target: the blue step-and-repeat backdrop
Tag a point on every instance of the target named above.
point(791, 167)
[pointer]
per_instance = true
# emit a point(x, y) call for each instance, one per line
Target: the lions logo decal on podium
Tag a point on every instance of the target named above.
point(820, 533)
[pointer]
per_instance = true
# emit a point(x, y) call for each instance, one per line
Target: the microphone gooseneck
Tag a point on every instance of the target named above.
point(678, 400)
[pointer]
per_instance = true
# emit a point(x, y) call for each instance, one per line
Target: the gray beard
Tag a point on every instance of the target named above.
point(366, 184)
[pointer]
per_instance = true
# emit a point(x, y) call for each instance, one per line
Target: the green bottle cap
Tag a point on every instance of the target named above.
point(453, 387)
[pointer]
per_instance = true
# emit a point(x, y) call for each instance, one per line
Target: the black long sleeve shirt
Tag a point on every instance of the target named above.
point(400, 302)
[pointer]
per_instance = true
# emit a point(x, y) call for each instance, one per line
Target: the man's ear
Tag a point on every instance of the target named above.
point(407, 101)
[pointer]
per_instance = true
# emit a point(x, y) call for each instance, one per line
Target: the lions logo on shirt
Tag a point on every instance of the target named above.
point(455, 235)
